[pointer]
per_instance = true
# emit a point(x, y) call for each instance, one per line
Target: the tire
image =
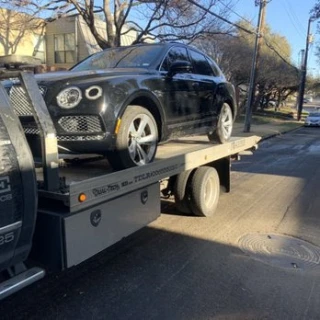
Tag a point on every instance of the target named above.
point(137, 139)
point(181, 192)
point(205, 191)
point(223, 132)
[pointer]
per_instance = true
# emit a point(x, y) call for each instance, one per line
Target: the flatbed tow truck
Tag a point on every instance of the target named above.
point(59, 212)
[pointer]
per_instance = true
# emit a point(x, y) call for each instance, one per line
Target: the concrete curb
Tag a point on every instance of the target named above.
point(263, 138)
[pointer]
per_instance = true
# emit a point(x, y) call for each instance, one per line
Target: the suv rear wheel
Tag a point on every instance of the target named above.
point(223, 132)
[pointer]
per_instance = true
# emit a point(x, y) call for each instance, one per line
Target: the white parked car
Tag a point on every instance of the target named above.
point(307, 100)
point(313, 119)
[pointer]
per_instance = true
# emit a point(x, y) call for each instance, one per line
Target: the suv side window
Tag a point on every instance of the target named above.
point(175, 53)
point(201, 64)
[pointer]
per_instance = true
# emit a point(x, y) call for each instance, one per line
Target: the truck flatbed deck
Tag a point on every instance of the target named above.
point(96, 180)
point(76, 168)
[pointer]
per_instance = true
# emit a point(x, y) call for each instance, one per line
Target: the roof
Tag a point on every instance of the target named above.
point(90, 40)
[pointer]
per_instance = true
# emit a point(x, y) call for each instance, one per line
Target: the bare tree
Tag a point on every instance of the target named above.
point(276, 79)
point(232, 54)
point(14, 26)
point(315, 11)
point(152, 20)
point(315, 14)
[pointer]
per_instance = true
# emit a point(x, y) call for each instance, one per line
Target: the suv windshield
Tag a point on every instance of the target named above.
point(122, 57)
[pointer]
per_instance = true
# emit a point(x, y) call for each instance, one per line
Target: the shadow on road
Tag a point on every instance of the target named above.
point(156, 274)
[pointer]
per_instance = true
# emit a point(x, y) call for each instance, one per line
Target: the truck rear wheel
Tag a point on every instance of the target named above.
point(204, 191)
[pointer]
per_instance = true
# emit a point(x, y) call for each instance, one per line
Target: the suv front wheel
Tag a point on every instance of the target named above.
point(137, 139)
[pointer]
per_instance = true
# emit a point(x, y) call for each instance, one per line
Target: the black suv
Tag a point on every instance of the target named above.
point(122, 102)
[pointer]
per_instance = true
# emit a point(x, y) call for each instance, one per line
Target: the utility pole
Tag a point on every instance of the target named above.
point(301, 64)
point(304, 72)
point(256, 55)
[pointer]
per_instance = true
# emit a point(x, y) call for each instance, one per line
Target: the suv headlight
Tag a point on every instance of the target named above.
point(69, 98)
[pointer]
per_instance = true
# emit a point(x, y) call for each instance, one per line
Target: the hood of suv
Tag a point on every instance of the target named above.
point(89, 74)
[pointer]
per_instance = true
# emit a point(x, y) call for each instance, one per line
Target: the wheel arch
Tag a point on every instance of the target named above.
point(151, 103)
point(232, 105)
point(226, 94)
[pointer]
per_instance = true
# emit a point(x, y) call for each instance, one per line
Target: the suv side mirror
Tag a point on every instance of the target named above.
point(179, 66)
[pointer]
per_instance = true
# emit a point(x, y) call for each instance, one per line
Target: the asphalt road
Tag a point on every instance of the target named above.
point(257, 258)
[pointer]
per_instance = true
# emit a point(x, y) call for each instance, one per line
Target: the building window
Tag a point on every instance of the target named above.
point(64, 48)
point(39, 45)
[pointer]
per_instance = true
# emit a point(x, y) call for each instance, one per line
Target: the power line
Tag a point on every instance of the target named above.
point(221, 18)
point(296, 17)
point(236, 13)
point(270, 46)
point(293, 20)
point(242, 28)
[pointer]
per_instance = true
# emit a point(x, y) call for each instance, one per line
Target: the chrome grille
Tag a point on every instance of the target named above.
point(19, 100)
point(80, 138)
point(36, 131)
point(80, 124)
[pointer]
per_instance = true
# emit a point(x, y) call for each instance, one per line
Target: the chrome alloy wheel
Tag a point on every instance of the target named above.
point(142, 139)
point(226, 121)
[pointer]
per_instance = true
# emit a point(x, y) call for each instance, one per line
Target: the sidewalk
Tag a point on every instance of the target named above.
point(275, 127)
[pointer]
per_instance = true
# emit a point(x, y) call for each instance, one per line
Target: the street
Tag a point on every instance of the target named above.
point(257, 258)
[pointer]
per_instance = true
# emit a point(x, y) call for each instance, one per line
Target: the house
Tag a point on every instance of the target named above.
point(58, 44)
point(69, 40)
point(21, 36)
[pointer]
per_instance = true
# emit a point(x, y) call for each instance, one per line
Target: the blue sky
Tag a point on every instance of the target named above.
point(290, 19)
point(286, 17)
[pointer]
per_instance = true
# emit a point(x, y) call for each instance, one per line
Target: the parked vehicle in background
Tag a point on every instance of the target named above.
point(265, 103)
point(123, 101)
point(307, 100)
point(272, 103)
point(313, 119)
